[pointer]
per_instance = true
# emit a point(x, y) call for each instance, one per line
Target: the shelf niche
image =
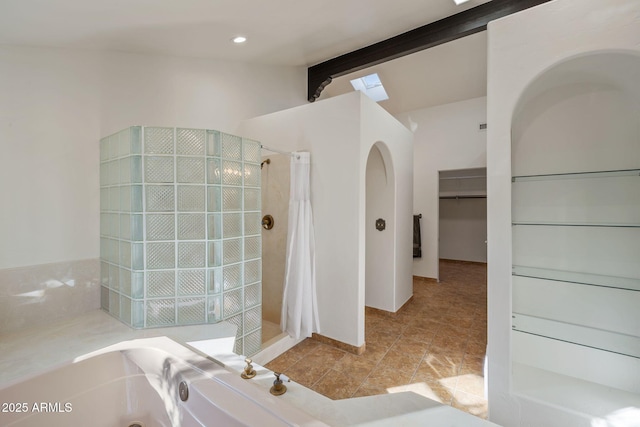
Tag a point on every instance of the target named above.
point(576, 226)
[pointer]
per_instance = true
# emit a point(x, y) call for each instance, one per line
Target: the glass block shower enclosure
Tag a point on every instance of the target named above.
point(180, 230)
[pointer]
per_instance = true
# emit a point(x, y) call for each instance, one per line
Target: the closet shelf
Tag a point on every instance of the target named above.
point(627, 283)
point(462, 194)
point(464, 177)
point(577, 175)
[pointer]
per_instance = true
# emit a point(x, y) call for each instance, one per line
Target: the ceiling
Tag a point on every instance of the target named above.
point(280, 32)
point(447, 73)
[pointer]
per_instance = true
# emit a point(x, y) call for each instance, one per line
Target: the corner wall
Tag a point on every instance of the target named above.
point(378, 125)
point(518, 53)
point(330, 131)
point(339, 132)
point(447, 137)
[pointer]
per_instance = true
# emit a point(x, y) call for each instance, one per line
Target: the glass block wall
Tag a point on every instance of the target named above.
point(180, 230)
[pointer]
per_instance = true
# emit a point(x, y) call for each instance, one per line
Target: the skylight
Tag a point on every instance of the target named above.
point(371, 86)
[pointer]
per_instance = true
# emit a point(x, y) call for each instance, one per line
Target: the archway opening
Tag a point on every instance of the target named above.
point(380, 234)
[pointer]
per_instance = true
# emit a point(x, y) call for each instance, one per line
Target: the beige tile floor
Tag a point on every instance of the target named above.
point(435, 346)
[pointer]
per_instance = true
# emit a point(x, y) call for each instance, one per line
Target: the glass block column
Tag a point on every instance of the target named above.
point(180, 230)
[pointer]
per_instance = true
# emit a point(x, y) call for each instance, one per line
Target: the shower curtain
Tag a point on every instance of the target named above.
point(299, 307)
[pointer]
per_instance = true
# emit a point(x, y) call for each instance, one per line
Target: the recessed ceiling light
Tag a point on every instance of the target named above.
point(239, 39)
point(459, 2)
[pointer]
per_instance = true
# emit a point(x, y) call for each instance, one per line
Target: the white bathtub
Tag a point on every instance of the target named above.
point(136, 382)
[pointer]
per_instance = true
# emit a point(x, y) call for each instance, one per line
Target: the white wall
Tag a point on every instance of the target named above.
point(517, 55)
point(463, 229)
point(54, 106)
point(197, 93)
point(49, 131)
point(339, 136)
point(330, 131)
point(446, 137)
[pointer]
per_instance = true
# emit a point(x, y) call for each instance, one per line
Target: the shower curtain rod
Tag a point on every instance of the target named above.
point(264, 147)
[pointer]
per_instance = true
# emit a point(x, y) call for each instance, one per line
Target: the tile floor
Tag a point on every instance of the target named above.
point(435, 346)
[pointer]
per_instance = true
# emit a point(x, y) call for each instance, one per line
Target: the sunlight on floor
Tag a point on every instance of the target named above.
point(435, 346)
point(422, 389)
point(626, 417)
point(466, 391)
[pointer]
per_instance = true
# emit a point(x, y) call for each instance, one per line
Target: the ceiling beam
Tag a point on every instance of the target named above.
point(462, 24)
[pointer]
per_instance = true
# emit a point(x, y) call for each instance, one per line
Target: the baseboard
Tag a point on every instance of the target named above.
point(459, 261)
point(425, 279)
point(384, 313)
point(339, 344)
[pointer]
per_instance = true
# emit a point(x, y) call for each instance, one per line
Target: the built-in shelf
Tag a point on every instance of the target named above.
point(592, 400)
point(627, 283)
point(575, 253)
point(576, 278)
point(606, 368)
point(578, 175)
point(626, 345)
point(589, 199)
point(563, 224)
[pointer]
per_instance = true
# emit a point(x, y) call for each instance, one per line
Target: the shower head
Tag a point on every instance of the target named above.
point(268, 161)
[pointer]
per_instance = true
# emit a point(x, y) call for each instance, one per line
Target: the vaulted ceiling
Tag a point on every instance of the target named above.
point(279, 32)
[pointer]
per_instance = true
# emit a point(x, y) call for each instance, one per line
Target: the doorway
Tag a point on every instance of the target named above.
point(462, 215)
point(380, 230)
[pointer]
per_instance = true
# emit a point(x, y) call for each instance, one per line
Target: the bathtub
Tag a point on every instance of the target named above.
point(137, 383)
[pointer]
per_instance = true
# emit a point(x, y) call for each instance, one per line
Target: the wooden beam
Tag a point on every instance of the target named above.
point(462, 24)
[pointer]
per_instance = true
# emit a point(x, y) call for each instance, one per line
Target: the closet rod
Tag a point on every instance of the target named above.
point(463, 177)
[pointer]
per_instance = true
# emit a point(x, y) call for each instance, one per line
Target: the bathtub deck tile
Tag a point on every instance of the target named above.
point(22, 352)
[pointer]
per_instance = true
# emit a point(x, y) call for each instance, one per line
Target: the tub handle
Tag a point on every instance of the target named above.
point(248, 372)
point(278, 387)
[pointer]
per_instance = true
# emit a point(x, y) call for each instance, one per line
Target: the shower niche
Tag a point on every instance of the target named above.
point(180, 230)
point(576, 231)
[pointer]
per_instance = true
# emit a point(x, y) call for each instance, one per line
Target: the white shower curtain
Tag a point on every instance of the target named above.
point(299, 308)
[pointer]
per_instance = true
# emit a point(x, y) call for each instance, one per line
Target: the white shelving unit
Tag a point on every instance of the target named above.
point(576, 275)
point(575, 217)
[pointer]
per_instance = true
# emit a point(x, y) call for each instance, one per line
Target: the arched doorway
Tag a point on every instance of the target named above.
point(380, 235)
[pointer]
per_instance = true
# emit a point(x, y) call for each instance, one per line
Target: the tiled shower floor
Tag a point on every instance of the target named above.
point(269, 330)
point(434, 346)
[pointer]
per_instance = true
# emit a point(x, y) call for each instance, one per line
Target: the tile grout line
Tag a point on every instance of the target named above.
point(415, 371)
point(464, 299)
point(376, 365)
